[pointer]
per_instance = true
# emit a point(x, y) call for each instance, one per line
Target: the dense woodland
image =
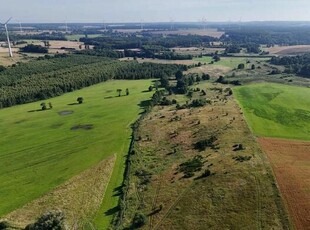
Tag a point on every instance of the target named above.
point(268, 36)
point(51, 77)
point(41, 36)
point(294, 64)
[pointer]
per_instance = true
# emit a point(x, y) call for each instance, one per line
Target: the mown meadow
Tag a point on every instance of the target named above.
point(40, 150)
point(276, 110)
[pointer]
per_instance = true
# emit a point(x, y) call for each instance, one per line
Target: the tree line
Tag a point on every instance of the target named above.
point(52, 77)
point(299, 64)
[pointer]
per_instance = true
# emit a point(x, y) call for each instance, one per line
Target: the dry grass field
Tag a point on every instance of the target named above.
point(5, 60)
point(197, 50)
point(202, 32)
point(84, 190)
point(240, 192)
point(289, 50)
point(291, 163)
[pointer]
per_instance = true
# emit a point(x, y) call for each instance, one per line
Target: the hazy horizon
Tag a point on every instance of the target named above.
point(95, 11)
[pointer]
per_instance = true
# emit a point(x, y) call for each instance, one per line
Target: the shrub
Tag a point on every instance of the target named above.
point(80, 100)
point(206, 173)
point(199, 102)
point(53, 220)
point(4, 225)
point(205, 77)
point(242, 158)
point(43, 106)
point(203, 144)
point(191, 166)
point(139, 220)
point(241, 66)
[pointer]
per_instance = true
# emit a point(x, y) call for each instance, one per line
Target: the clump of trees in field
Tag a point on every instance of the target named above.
point(205, 143)
point(189, 167)
point(34, 49)
point(296, 64)
point(53, 220)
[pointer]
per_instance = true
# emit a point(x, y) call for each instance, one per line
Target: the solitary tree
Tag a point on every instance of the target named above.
point(179, 75)
point(150, 88)
point(50, 105)
point(43, 105)
point(156, 85)
point(80, 100)
point(119, 92)
point(241, 66)
point(127, 91)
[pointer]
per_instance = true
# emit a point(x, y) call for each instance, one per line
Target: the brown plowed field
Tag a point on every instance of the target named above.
point(291, 164)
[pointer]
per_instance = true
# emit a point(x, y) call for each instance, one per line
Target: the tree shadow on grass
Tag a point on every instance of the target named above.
point(38, 110)
point(75, 103)
point(144, 104)
point(118, 191)
point(112, 211)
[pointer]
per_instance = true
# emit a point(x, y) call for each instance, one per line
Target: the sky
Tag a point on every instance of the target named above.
point(87, 11)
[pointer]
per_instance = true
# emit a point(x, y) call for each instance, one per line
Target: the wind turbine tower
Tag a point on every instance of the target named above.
point(7, 36)
point(66, 25)
point(172, 24)
point(104, 25)
point(141, 24)
point(20, 27)
point(204, 22)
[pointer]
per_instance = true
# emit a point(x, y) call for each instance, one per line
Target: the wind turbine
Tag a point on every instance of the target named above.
point(20, 26)
point(172, 24)
point(104, 25)
point(7, 36)
point(204, 22)
point(141, 24)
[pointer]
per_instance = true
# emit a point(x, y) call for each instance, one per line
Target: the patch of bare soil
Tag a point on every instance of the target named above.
point(65, 112)
point(291, 163)
point(85, 127)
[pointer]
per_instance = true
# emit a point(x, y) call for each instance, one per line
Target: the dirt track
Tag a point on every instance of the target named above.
point(291, 164)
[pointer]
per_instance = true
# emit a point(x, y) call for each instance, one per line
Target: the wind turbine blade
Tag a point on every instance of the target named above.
point(8, 20)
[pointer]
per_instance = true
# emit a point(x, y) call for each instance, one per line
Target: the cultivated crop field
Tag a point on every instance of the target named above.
point(289, 50)
point(202, 32)
point(291, 163)
point(42, 150)
point(274, 110)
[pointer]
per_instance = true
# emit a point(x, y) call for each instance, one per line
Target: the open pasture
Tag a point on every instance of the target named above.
point(231, 62)
point(40, 150)
point(274, 110)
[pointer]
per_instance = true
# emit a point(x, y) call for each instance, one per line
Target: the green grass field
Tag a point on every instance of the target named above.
point(78, 36)
point(39, 151)
point(231, 62)
point(274, 110)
